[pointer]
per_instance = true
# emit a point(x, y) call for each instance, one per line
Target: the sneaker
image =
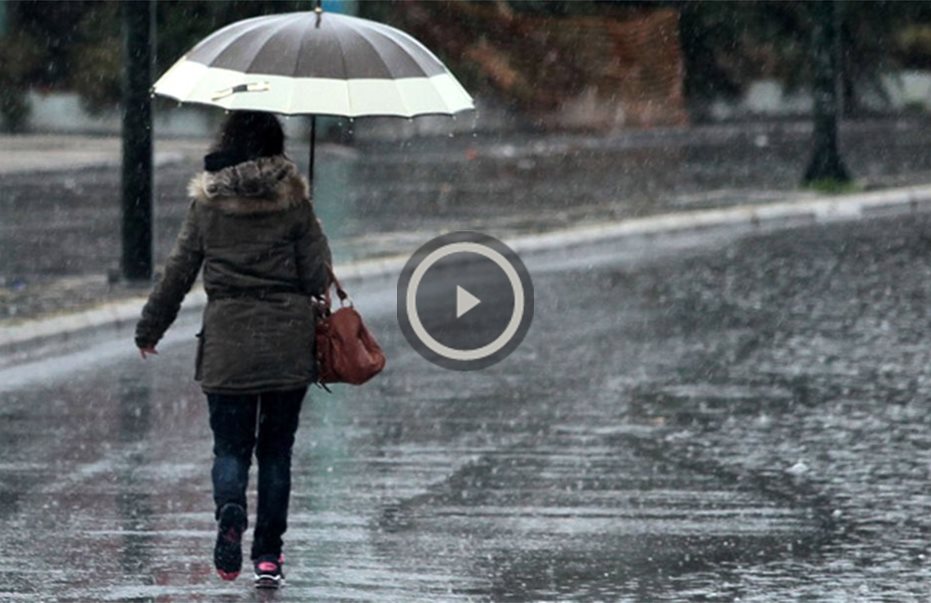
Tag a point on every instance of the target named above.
point(227, 553)
point(269, 571)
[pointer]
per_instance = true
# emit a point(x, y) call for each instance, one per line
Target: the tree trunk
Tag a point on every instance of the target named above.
point(826, 163)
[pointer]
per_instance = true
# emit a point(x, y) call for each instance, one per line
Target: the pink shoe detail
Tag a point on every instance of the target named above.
point(267, 566)
point(228, 575)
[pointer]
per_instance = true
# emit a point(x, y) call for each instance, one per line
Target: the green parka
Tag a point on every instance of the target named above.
point(252, 227)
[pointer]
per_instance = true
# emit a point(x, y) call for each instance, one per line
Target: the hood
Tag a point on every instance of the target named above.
point(262, 185)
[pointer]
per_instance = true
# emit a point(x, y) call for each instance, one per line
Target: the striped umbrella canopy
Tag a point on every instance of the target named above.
point(311, 62)
point(315, 63)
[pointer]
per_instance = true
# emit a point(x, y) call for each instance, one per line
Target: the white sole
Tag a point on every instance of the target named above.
point(268, 581)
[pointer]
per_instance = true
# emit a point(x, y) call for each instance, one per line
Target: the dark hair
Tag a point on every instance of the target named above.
point(245, 135)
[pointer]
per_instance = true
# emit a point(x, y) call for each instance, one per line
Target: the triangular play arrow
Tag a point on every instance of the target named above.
point(465, 301)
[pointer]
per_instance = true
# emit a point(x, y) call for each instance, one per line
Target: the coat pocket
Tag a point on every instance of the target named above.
point(199, 361)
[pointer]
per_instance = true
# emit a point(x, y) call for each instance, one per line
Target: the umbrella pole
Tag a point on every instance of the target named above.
point(310, 164)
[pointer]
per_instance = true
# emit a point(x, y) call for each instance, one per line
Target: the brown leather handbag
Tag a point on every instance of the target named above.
point(346, 350)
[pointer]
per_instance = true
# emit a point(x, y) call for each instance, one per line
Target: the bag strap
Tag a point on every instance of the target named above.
point(333, 282)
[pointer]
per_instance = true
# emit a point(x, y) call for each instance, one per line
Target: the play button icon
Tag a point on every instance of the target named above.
point(465, 300)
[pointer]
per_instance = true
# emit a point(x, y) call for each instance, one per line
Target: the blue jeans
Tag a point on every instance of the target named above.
point(233, 420)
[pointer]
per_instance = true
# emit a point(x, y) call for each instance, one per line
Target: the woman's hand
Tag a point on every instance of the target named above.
point(319, 305)
point(147, 351)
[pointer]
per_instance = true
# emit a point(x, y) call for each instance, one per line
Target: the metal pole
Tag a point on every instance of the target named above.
point(138, 58)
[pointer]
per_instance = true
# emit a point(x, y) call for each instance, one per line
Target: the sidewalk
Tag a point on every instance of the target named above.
point(34, 153)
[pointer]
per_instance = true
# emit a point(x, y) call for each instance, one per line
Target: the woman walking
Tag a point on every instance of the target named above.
point(252, 226)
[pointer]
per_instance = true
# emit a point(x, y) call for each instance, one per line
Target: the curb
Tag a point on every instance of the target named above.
point(159, 159)
point(20, 339)
point(792, 213)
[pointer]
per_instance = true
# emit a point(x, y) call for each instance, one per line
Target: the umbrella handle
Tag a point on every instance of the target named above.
point(310, 165)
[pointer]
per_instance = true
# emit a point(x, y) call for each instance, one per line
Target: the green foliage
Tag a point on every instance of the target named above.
point(834, 187)
point(728, 44)
point(913, 46)
point(53, 28)
point(78, 45)
point(96, 59)
point(20, 56)
point(915, 107)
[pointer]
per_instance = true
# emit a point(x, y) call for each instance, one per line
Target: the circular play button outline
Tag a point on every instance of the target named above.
point(446, 246)
point(475, 353)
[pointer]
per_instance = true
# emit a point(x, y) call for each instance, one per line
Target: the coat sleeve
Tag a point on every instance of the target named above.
point(179, 275)
point(312, 251)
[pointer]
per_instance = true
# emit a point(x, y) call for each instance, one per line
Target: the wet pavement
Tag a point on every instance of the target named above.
point(694, 418)
point(60, 231)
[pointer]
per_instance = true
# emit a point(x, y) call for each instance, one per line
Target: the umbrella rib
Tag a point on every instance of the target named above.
point(413, 57)
point(274, 33)
point(361, 31)
point(294, 74)
point(342, 58)
point(254, 24)
point(238, 36)
point(390, 33)
point(390, 77)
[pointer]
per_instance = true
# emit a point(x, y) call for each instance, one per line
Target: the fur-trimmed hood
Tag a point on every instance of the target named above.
point(262, 185)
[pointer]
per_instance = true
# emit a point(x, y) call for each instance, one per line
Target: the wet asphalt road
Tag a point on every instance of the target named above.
point(712, 417)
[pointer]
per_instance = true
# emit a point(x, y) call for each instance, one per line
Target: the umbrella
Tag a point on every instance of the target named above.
point(315, 63)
